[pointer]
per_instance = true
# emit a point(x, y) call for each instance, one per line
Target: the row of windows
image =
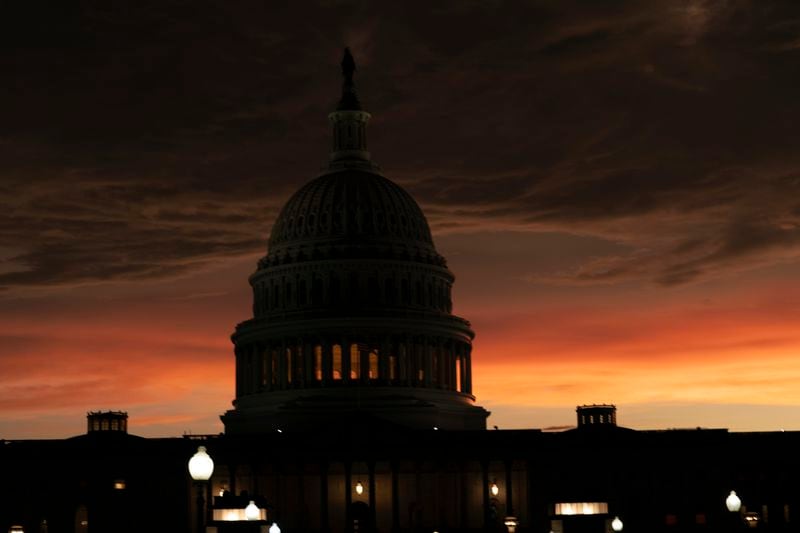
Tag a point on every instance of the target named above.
point(359, 363)
point(352, 289)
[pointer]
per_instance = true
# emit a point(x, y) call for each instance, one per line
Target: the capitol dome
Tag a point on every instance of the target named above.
point(351, 211)
point(352, 316)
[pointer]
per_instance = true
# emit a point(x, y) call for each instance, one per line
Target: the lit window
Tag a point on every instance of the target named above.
point(373, 365)
point(355, 362)
point(337, 361)
point(318, 362)
point(581, 508)
point(458, 374)
point(288, 365)
point(104, 425)
point(119, 484)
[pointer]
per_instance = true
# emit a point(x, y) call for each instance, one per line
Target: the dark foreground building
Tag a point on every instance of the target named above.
point(354, 411)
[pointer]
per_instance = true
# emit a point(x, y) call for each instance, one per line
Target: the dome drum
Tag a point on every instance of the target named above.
point(343, 285)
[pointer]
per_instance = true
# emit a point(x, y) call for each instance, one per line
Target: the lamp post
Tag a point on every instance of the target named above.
point(201, 466)
point(734, 505)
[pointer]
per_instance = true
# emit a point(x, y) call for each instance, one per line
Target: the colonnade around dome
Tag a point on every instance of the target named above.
point(405, 361)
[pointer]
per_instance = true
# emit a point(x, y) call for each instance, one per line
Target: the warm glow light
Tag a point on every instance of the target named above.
point(733, 502)
point(16, 529)
point(616, 524)
point(201, 466)
point(511, 523)
point(252, 512)
point(359, 488)
point(274, 528)
point(119, 484)
point(494, 488)
point(238, 515)
point(581, 508)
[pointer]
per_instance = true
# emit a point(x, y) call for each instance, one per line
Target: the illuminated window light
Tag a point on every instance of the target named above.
point(581, 508)
point(119, 484)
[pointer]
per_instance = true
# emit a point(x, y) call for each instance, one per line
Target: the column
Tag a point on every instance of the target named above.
point(509, 499)
point(485, 489)
point(327, 361)
point(427, 362)
point(323, 497)
point(282, 365)
point(371, 468)
point(468, 370)
point(268, 366)
point(395, 497)
point(237, 354)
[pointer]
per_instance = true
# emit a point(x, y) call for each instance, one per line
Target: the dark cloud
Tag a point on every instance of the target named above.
point(147, 141)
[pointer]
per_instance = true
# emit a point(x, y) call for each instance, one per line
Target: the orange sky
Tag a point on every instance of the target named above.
point(719, 354)
point(614, 185)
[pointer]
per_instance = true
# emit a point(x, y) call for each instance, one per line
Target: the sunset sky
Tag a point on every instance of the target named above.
point(616, 186)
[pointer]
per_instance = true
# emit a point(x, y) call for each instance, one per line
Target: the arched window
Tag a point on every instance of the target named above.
point(390, 292)
point(458, 374)
point(316, 291)
point(405, 291)
point(355, 362)
point(354, 291)
point(302, 296)
point(337, 361)
point(335, 291)
point(289, 361)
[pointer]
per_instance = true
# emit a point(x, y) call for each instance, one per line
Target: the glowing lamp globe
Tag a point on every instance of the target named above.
point(359, 488)
point(616, 524)
point(733, 502)
point(495, 489)
point(274, 528)
point(201, 466)
point(252, 512)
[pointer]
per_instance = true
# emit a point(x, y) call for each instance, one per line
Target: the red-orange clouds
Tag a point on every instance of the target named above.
point(615, 187)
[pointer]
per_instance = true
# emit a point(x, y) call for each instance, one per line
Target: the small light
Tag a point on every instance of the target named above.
point(221, 492)
point(119, 484)
point(16, 529)
point(616, 524)
point(280, 430)
point(494, 488)
point(733, 502)
point(274, 528)
point(359, 488)
point(252, 512)
point(436, 428)
point(511, 523)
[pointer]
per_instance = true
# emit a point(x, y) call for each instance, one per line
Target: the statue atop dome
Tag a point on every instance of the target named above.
point(349, 100)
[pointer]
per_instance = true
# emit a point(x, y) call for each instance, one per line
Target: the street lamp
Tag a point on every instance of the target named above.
point(616, 524)
point(252, 512)
point(494, 488)
point(733, 502)
point(201, 466)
